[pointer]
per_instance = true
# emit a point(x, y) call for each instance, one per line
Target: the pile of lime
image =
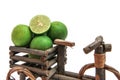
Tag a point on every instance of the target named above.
point(39, 34)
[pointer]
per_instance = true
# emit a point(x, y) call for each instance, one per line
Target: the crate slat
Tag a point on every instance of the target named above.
point(33, 51)
point(50, 50)
point(50, 56)
point(27, 50)
point(51, 73)
point(51, 62)
point(26, 59)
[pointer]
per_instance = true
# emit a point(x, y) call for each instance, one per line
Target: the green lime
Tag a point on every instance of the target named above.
point(40, 24)
point(21, 35)
point(57, 30)
point(40, 43)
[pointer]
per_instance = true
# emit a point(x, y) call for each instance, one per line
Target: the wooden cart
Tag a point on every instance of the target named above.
point(51, 65)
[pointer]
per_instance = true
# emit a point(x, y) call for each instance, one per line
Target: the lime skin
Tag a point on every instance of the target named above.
point(21, 35)
point(40, 43)
point(57, 30)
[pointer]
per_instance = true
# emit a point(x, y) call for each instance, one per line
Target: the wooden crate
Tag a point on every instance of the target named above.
point(42, 67)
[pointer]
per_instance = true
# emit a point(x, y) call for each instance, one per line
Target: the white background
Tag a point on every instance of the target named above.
point(85, 19)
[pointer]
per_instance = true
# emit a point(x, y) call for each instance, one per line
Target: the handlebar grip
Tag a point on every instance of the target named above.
point(93, 45)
